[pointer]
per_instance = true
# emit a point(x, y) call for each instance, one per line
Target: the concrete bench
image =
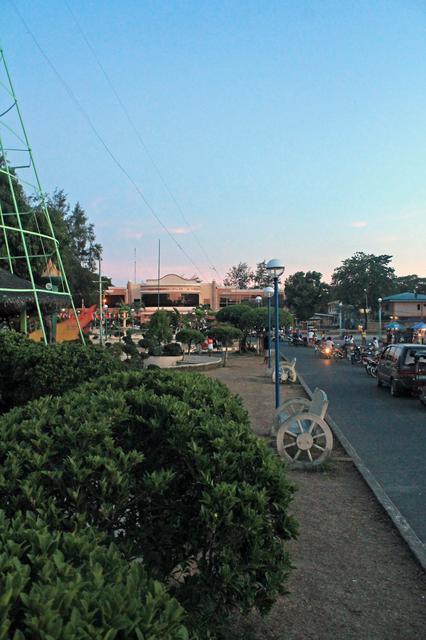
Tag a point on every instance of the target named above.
point(287, 371)
point(302, 434)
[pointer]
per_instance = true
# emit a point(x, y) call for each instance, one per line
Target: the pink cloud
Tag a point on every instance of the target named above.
point(359, 224)
point(180, 231)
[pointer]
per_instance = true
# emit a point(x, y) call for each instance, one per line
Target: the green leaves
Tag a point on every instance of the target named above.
point(67, 586)
point(162, 466)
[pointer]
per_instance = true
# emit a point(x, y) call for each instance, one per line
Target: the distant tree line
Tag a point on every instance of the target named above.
point(359, 279)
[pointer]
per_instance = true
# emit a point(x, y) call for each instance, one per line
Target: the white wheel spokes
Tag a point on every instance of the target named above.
point(305, 439)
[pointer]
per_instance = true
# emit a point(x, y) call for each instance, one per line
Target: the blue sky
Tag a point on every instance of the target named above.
point(284, 129)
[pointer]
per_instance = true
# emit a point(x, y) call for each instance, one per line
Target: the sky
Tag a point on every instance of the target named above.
point(281, 129)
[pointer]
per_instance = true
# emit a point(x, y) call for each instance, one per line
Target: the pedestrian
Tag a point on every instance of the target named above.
point(265, 347)
point(210, 346)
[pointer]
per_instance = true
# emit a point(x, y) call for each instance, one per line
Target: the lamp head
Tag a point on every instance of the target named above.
point(275, 267)
point(380, 300)
point(340, 304)
point(268, 292)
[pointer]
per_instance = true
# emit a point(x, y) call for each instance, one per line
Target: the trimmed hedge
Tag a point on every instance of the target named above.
point(66, 586)
point(29, 370)
point(166, 465)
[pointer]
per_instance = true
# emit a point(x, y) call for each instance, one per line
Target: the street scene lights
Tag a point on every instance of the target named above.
point(276, 269)
point(258, 300)
point(380, 300)
point(340, 317)
point(268, 292)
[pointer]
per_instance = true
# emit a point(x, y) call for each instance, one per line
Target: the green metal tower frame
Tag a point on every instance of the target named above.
point(34, 228)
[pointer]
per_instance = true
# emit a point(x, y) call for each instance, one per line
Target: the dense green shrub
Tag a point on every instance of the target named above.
point(166, 465)
point(172, 349)
point(67, 586)
point(29, 370)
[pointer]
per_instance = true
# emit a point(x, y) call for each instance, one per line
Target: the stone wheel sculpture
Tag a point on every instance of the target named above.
point(304, 439)
point(283, 375)
point(289, 408)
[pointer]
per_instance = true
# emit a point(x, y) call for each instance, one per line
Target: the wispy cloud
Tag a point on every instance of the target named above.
point(359, 224)
point(132, 234)
point(181, 231)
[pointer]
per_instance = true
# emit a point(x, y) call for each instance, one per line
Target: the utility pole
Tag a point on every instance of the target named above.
point(158, 276)
point(101, 334)
point(134, 275)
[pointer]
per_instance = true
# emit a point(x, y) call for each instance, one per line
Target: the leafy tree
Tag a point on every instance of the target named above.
point(226, 334)
point(239, 276)
point(248, 319)
point(364, 276)
point(305, 293)
point(262, 278)
point(159, 327)
point(410, 283)
point(189, 337)
point(240, 316)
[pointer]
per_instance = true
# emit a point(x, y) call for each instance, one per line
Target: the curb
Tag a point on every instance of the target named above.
point(416, 546)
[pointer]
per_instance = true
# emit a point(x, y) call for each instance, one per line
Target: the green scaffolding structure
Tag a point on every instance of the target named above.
point(28, 246)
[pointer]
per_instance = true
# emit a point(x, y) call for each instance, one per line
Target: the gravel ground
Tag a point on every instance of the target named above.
point(354, 577)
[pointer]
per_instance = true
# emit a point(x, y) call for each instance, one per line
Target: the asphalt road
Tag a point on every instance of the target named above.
point(389, 434)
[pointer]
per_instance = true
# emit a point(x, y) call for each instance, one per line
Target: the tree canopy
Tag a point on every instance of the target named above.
point(364, 276)
point(305, 292)
point(239, 276)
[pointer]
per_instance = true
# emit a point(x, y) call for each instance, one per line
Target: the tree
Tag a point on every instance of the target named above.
point(226, 334)
point(262, 278)
point(241, 317)
point(239, 276)
point(364, 278)
point(305, 292)
point(159, 328)
point(410, 283)
point(190, 336)
point(247, 319)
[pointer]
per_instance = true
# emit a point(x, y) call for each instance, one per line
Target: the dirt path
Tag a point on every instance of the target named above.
point(354, 577)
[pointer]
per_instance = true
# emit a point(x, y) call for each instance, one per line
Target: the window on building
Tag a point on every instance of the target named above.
point(171, 300)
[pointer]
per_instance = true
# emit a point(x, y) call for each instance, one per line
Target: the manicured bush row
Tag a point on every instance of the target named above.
point(67, 586)
point(29, 370)
point(165, 464)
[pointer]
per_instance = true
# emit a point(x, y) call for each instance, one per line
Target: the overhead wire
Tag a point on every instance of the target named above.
point(139, 136)
point(95, 131)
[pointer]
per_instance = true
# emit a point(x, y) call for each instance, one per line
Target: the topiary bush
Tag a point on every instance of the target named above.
point(166, 465)
point(64, 586)
point(29, 370)
point(172, 349)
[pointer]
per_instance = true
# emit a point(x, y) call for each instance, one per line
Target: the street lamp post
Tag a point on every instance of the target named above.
point(276, 269)
point(366, 310)
point(106, 321)
point(340, 317)
point(380, 300)
point(268, 292)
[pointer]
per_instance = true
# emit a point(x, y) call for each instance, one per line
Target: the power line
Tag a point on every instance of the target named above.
point(100, 138)
point(138, 134)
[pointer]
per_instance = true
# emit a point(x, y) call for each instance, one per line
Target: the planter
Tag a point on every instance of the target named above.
point(164, 362)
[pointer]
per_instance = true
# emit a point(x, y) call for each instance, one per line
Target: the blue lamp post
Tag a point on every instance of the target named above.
point(380, 300)
point(268, 292)
point(276, 269)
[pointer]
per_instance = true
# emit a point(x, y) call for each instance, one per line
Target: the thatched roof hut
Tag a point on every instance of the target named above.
point(16, 294)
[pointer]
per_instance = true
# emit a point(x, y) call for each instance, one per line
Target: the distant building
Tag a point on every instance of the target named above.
point(405, 307)
point(175, 291)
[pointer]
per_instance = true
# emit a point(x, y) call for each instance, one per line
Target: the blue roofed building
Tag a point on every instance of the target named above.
point(405, 307)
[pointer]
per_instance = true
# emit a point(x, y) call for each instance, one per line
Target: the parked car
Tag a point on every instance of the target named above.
point(397, 367)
